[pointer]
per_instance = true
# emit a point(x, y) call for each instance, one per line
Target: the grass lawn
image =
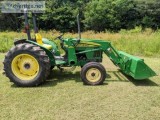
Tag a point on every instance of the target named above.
point(64, 97)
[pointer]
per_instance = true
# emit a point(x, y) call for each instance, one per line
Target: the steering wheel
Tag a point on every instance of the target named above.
point(62, 42)
point(59, 37)
point(75, 43)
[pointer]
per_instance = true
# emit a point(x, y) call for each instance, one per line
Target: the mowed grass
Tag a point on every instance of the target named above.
point(64, 97)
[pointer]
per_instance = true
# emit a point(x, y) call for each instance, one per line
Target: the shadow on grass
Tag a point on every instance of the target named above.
point(121, 77)
point(56, 77)
point(145, 82)
point(116, 74)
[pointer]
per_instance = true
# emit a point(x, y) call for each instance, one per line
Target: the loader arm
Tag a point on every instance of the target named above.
point(129, 64)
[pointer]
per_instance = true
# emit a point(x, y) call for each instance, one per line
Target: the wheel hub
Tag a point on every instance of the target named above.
point(25, 67)
point(93, 74)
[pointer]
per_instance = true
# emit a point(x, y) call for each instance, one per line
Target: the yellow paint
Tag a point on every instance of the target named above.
point(93, 75)
point(47, 46)
point(39, 41)
point(39, 38)
point(19, 67)
point(88, 44)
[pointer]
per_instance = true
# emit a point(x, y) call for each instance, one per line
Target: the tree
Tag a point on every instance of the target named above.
point(150, 15)
point(97, 15)
point(101, 15)
point(61, 15)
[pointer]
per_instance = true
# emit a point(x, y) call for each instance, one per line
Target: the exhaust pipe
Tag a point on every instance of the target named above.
point(79, 27)
point(27, 24)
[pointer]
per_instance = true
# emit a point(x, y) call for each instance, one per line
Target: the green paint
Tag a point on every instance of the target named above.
point(60, 62)
point(80, 53)
point(72, 58)
point(136, 67)
point(48, 52)
point(54, 46)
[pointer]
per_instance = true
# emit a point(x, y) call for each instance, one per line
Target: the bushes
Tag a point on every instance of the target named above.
point(5, 42)
point(7, 39)
point(110, 15)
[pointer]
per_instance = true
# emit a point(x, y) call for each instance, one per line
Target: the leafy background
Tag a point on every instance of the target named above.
point(96, 15)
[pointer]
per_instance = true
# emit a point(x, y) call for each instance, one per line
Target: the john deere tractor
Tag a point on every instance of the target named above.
point(29, 62)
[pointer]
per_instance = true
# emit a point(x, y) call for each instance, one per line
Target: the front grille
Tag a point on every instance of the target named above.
point(97, 53)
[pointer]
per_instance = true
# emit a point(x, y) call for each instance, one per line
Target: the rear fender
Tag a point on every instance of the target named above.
point(48, 52)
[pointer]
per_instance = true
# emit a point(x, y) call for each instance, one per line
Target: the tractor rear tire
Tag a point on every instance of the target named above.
point(26, 65)
point(93, 73)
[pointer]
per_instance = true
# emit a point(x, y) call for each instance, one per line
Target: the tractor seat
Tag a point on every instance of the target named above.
point(39, 41)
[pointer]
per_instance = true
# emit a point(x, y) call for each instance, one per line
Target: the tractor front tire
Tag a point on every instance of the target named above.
point(93, 73)
point(26, 65)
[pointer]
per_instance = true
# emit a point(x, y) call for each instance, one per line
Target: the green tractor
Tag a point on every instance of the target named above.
point(29, 62)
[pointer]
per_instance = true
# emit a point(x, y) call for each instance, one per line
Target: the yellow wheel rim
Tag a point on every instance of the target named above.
point(93, 75)
point(25, 67)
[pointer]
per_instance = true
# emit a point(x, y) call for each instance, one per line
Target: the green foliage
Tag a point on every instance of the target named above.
point(6, 42)
point(60, 18)
point(110, 14)
point(9, 22)
point(96, 15)
point(61, 15)
point(149, 13)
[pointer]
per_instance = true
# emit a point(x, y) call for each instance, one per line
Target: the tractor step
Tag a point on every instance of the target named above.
point(135, 67)
point(59, 58)
point(60, 62)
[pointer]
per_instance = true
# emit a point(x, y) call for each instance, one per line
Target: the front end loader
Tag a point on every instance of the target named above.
point(29, 62)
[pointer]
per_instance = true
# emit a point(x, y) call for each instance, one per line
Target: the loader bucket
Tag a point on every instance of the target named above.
point(135, 67)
